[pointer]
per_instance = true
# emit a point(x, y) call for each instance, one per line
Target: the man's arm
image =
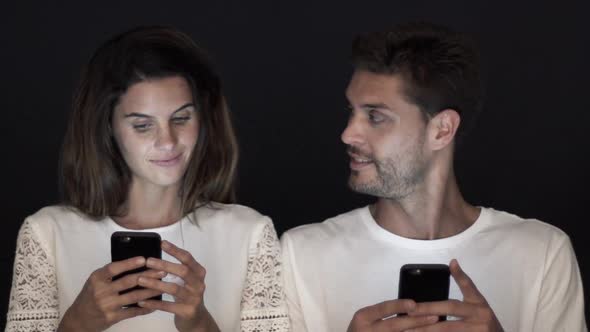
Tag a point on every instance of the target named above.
point(561, 300)
point(291, 295)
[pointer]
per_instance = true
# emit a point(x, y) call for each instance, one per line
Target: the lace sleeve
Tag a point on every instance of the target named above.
point(263, 302)
point(33, 298)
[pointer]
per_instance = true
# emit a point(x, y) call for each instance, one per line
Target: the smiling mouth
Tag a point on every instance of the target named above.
point(358, 162)
point(167, 162)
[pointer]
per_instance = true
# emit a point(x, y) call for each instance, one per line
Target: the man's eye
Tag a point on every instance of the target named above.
point(142, 127)
point(375, 116)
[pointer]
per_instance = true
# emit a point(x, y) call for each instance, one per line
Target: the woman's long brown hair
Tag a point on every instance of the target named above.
point(94, 177)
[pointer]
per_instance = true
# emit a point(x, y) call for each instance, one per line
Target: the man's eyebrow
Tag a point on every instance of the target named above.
point(141, 115)
point(379, 105)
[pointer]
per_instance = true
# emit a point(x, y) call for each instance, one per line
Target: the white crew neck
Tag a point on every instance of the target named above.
point(163, 229)
point(400, 241)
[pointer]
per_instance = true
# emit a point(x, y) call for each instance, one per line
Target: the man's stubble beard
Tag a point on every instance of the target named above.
point(395, 178)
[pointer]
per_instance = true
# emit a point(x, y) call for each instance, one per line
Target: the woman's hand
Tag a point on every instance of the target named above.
point(188, 308)
point(99, 304)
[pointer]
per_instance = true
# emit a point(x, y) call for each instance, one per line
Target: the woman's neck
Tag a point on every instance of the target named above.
point(150, 207)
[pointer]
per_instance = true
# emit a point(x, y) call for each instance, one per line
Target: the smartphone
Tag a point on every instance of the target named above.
point(126, 245)
point(424, 283)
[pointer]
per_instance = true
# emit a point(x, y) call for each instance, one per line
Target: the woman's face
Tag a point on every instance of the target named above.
point(156, 127)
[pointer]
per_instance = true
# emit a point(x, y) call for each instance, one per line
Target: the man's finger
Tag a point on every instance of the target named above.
point(470, 292)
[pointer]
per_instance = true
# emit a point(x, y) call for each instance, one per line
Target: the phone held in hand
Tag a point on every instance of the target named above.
point(424, 283)
point(126, 245)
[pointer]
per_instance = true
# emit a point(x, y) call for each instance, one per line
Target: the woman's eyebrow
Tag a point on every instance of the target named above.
point(183, 107)
point(141, 115)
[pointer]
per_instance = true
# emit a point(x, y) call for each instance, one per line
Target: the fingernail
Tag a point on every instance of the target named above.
point(162, 274)
point(165, 244)
point(141, 303)
point(432, 319)
point(141, 280)
point(140, 260)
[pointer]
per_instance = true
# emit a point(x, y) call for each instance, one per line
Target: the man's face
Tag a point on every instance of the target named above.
point(385, 136)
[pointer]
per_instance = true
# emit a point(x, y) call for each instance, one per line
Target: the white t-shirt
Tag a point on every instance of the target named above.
point(57, 249)
point(526, 269)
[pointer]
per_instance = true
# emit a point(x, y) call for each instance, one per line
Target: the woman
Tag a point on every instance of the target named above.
point(149, 146)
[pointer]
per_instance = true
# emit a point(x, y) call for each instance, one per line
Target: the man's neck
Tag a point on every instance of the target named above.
point(435, 210)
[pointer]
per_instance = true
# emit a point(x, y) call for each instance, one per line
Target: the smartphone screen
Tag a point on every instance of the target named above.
point(126, 245)
point(424, 283)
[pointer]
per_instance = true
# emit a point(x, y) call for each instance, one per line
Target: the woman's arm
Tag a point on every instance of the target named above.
point(34, 303)
point(263, 300)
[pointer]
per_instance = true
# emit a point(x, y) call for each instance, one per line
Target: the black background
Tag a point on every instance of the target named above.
point(285, 67)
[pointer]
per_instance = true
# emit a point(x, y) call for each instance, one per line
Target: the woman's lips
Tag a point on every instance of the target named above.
point(167, 162)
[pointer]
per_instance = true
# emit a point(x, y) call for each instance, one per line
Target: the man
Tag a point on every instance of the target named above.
point(413, 93)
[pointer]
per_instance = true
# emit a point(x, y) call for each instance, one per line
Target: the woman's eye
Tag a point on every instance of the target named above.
point(181, 119)
point(376, 116)
point(142, 127)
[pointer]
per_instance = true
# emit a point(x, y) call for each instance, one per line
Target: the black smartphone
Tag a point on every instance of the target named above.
point(126, 245)
point(424, 283)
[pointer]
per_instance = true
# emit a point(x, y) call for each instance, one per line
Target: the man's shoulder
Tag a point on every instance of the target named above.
point(521, 228)
point(336, 228)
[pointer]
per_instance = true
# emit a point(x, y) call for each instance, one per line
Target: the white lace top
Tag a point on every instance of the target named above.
point(57, 249)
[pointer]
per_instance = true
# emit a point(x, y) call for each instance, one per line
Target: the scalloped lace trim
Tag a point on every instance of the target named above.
point(263, 302)
point(33, 304)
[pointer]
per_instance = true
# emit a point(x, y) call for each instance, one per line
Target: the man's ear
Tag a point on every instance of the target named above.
point(442, 128)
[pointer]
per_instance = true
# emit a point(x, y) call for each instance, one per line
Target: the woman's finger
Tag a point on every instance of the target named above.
point(126, 313)
point(180, 270)
point(177, 291)
point(182, 255)
point(136, 296)
point(113, 269)
point(130, 281)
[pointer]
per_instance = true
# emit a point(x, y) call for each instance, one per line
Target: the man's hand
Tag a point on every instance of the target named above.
point(474, 311)
point(372, 318)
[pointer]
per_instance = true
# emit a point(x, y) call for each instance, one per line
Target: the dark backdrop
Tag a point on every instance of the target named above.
point(285, 67)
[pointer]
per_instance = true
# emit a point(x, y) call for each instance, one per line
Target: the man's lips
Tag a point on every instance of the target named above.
point(358, 162)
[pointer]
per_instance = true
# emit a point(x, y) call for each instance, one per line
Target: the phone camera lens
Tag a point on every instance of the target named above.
point(126, 239)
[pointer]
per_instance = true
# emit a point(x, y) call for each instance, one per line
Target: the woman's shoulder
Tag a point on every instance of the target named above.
point(234, 214)
point(49, 218)
point(56, 213)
